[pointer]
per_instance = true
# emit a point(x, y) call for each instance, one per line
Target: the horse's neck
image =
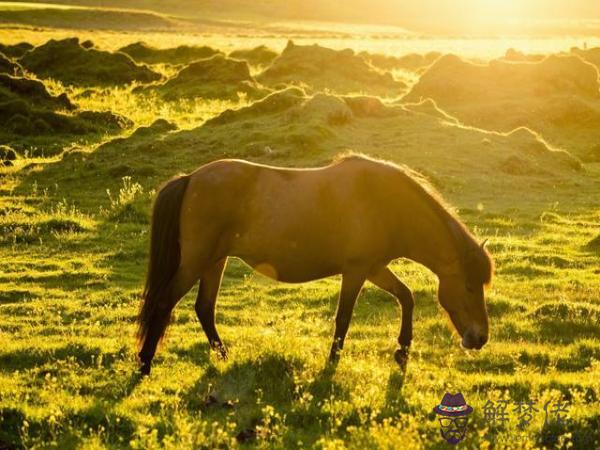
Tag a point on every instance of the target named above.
point(439, 244)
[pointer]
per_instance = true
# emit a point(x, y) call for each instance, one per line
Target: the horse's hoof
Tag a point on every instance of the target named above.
point(401, 357)
point(221, 350)
point(145, 369)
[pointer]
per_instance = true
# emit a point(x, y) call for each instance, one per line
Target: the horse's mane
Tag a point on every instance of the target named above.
point(476, 260)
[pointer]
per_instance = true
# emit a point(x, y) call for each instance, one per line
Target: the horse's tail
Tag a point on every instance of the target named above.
point(165, 252)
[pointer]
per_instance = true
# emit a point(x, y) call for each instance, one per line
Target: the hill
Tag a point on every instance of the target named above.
point(558, 96)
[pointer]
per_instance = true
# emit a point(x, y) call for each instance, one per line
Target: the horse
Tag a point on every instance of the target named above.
point(352, 218)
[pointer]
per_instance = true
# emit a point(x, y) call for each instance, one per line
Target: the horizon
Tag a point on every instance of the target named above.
point(430, 17)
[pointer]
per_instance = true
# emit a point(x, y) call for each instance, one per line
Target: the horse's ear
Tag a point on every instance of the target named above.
point(484, 243)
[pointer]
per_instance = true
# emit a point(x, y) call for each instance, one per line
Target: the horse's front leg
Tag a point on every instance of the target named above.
point(386, 280)
point(351, 286)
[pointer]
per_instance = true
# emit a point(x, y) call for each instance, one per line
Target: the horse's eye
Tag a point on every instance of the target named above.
point(470, 288)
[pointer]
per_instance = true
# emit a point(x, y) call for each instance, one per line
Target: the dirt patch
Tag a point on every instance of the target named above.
point(215, 77)
point(320, 68)
point(414, 62)
point(184, 54)
point(69, 62)
point(257, 56)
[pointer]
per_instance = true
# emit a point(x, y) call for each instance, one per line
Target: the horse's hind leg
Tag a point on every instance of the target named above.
point(386, 280)
point(181, 283)
point(205, 305)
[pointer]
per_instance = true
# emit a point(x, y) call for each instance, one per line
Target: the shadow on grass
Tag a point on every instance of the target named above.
point(246, 388)
point(82, 354)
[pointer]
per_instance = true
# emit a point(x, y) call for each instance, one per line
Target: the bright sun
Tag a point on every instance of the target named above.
point(489, 15)
point(496, 10)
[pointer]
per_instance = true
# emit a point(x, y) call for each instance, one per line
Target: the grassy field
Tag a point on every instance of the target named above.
point(74, 228)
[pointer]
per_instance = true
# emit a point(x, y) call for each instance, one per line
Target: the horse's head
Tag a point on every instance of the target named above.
point(462, 296)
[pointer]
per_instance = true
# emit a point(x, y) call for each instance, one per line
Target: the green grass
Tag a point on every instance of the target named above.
point(72, 264)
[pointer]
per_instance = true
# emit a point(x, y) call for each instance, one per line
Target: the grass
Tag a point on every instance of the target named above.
point(73, 251)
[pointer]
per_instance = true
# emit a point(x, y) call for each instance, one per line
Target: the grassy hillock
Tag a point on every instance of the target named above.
point(414, 62)
point(31, 116)
point(318, 68)
point(70, 62)
point(216, 77)
point(15, 50)
point(591, 55)
point(183, 54)
point(291, 125)
point(257, 56)
point(558, 97)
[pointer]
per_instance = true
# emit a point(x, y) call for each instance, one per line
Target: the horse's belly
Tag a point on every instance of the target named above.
point(290, 265)
point(295, 274)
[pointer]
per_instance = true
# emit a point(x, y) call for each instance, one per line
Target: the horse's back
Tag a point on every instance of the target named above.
point(301, 223)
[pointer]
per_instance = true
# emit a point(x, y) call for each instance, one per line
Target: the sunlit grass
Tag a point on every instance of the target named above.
point(72, 263)
point(470, 48)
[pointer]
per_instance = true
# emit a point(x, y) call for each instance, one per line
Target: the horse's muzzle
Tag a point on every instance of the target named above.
point(473, 340)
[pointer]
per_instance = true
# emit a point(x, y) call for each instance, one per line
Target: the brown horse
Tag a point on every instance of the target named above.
point(352, 218)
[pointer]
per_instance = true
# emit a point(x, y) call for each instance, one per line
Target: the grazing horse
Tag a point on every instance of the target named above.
point(352, 217)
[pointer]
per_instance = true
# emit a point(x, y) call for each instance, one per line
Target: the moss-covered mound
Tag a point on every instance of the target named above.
point(518, 56)
point(558, 97)
point(293, 127)
point(257, 56)
point(15, 50)
point(452, 80)
point(33, 92)
point(412, 61)
point(272, 104)
point(296, 105)
point(290, 120)
point(591, 55)
point(184, 54)
point(29, 112)
point(9, 66)
point(320, 68)
point(69, 62)
point(215, 77)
